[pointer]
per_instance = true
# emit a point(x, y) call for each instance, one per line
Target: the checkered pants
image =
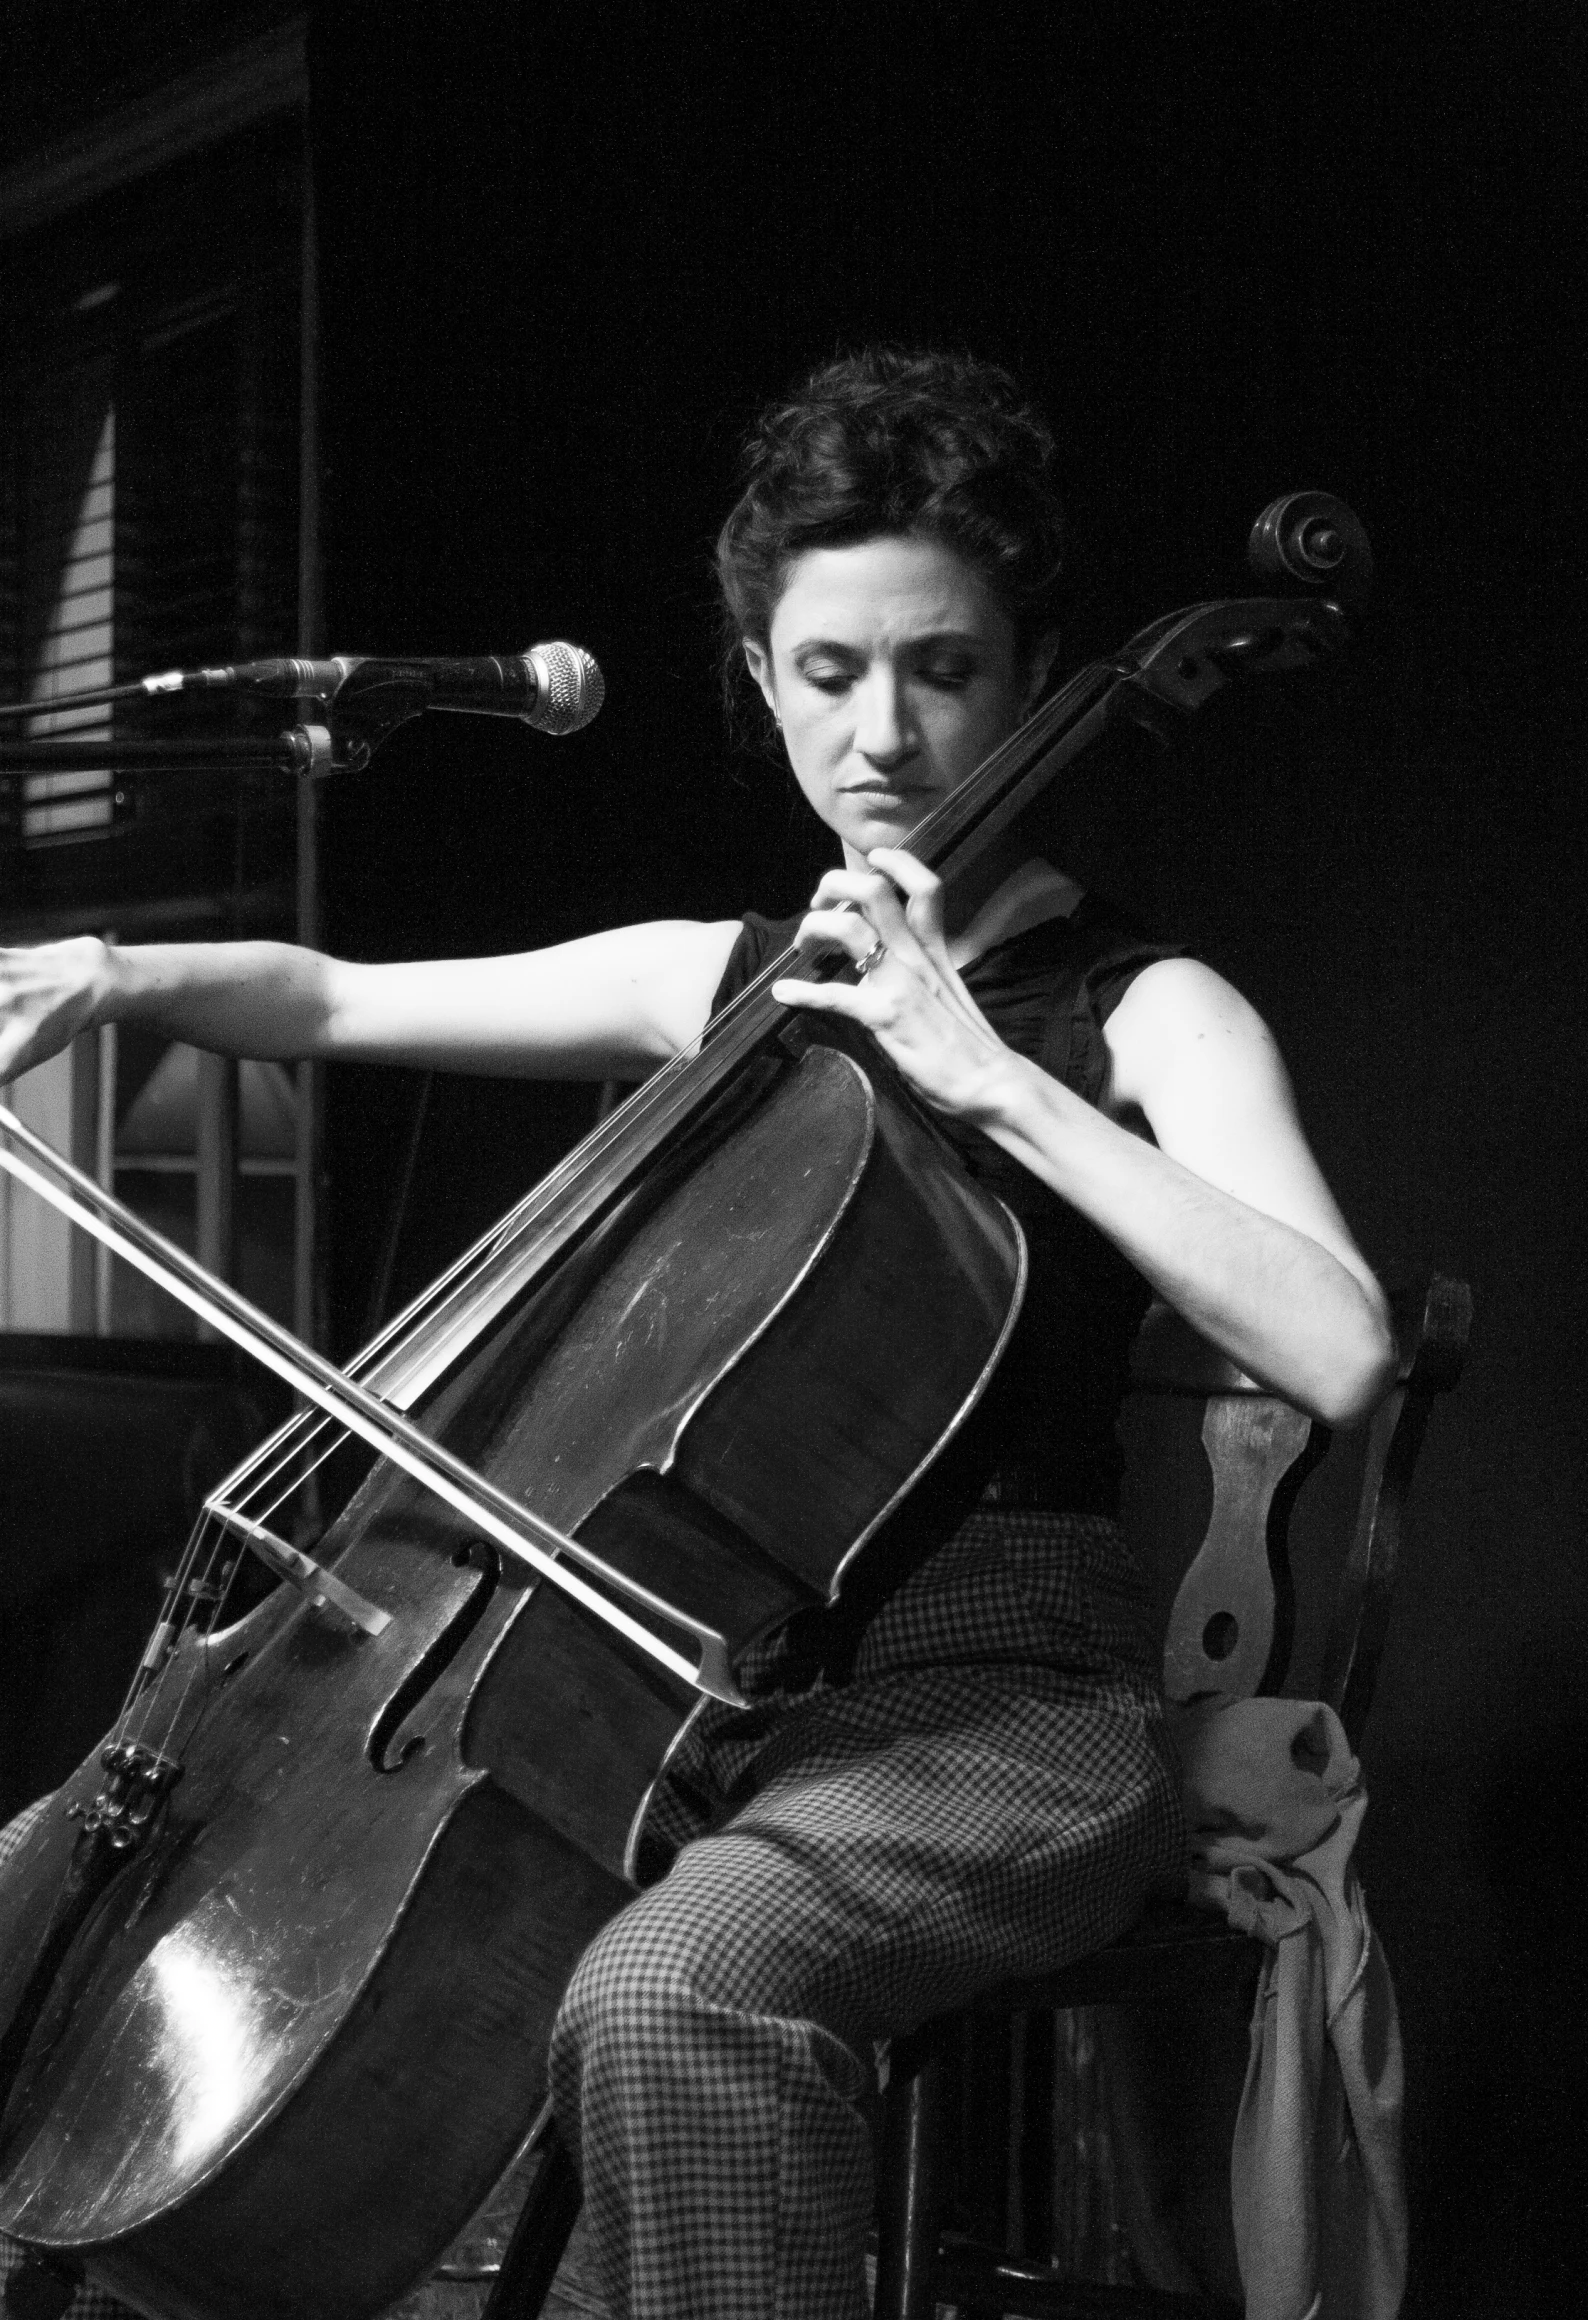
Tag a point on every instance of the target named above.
point(987, 1796)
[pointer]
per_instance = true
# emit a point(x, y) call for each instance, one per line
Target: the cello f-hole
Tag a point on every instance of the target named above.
point(389, 1746)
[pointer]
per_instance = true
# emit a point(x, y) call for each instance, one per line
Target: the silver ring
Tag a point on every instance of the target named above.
point(864, 966)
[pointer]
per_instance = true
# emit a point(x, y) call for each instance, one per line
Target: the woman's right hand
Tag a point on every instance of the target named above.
point(48, 994)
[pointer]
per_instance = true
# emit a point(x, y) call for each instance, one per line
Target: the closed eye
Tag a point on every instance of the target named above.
point(827, 676)
point(833, 675)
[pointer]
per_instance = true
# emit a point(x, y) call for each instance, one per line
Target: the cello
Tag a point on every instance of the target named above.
point(278, 1966)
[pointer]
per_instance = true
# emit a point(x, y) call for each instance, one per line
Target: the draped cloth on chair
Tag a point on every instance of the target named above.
point(1274, 1801)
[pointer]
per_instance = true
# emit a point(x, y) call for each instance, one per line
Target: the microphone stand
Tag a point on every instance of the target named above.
point(302, 749)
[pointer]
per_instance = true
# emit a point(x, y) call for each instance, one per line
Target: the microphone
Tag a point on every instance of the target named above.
point(557, 688)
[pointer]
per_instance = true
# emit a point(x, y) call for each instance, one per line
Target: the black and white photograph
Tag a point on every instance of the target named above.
point(792, 1302)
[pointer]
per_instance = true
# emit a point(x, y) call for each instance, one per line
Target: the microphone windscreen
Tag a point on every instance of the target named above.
point(569, 687)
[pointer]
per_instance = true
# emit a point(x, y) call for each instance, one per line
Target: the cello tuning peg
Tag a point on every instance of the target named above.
point(1315, 538)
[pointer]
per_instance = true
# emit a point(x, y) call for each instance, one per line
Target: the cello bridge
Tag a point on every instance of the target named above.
point(329, 1594)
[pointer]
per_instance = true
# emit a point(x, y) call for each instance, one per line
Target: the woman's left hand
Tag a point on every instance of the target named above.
point(910, 995)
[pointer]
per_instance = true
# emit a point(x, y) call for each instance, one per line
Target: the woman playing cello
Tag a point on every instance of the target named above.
point(961, 1775)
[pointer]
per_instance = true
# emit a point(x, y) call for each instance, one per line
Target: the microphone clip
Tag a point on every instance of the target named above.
point(369, 704)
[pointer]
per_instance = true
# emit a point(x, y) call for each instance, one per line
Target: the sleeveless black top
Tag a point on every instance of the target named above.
point(1043, 1432)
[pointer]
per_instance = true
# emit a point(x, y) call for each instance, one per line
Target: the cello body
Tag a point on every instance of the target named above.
point(303, 2031)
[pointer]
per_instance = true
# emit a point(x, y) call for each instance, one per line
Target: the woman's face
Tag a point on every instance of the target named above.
point(891, 667)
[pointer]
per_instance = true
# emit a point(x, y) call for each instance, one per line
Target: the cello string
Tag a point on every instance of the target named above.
point(292, 1462)
point(295, 1455)
point(286, 1469)
point(935, 832)
point(197, 1658)
point(193, 1593)
point(637, 1126)
point(641, 1121)
point(634, 1129)
point(384, 1342)
point(147, 1675)
point(292, 1476)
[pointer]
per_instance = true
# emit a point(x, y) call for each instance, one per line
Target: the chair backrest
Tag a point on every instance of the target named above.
point(1214, 1466)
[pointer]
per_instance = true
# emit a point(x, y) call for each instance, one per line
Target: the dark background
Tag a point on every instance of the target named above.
point(565, 253)
point(1234, 252)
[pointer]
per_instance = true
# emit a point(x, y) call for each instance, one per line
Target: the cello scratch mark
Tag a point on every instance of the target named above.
point(628, 1309)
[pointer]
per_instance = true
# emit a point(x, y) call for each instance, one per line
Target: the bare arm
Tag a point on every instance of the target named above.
point(1223, 1209)
point(613, 1004)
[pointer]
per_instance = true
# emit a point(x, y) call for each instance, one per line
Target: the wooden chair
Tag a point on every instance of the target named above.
point(1214, 1469)
point(1227, 1605)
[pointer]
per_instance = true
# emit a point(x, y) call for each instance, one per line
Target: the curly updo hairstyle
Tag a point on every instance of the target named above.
point(884, 442)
